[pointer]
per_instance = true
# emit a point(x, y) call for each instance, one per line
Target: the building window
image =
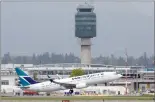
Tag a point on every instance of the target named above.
point(5, 82)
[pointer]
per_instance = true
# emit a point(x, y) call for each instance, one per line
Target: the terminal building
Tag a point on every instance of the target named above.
point(134, 78)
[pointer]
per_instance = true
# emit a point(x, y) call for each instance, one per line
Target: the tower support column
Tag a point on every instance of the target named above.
point(86, 50)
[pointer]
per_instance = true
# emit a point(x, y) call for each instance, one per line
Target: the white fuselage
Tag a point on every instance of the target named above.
point(85, 80)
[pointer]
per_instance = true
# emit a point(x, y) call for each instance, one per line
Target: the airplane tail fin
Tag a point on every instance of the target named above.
point(24, 79)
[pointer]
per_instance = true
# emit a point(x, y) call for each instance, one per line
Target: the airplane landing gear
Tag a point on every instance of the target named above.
point(71, 91)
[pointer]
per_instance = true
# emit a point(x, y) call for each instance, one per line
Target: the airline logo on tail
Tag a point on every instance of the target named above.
point(25, 80)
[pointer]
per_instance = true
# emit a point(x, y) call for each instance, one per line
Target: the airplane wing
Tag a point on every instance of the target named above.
point(24, 87)
point(67, 85)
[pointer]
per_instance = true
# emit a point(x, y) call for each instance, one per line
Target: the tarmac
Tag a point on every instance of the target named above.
point(10, 95)
point(76, 101)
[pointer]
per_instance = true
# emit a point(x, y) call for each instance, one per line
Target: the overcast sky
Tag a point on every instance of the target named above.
point(49, 27)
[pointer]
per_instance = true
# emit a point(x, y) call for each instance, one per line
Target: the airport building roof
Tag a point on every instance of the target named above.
point(62, 66)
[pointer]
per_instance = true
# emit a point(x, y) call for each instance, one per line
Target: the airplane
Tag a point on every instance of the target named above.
point(78, 82)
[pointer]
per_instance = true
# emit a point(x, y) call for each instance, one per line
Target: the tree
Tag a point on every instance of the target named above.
point(77, 72)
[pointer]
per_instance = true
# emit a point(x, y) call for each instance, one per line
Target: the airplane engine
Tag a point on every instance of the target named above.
point(81, 85)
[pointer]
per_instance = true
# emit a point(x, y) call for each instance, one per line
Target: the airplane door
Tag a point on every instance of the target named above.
point(43, 86)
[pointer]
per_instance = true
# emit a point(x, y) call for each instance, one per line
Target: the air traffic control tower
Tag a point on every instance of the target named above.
point(85, 29)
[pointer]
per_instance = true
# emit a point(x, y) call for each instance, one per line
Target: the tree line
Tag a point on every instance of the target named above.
point(51, 58)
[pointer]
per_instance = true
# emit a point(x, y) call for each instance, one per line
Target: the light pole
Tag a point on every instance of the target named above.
point(0, 45)
point(154, 50)
point(126, 86)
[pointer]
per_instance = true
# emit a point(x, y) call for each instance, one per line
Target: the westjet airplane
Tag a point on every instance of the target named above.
point(71, 83)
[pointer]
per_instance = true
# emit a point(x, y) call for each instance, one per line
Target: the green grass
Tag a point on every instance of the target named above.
point(81, 98)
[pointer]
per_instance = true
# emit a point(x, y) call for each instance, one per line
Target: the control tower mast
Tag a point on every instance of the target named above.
point(85, 29)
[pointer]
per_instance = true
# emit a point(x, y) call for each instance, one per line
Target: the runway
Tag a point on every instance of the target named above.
point(78, 99)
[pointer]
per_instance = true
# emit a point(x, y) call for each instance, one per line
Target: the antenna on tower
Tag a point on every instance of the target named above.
point(86, 2)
